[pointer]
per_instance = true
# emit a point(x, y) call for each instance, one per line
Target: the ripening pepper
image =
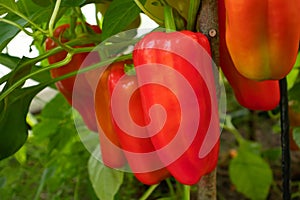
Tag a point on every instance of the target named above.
point(252, 94)
point(83, 100)
point(262, 36)
point(172, 123)
point(116, 144)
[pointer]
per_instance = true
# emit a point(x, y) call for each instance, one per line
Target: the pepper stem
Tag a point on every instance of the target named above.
point(169, 18)
point(193, 10)
point(186, 192)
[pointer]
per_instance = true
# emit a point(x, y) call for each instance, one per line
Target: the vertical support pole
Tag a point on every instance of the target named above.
point(285, 142)
point(207, 23)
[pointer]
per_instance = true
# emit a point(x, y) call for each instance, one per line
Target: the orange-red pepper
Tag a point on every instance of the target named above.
point(156, 50)
point(263, 36)
point(252, 94)
point(84, 101)
point(117, 145)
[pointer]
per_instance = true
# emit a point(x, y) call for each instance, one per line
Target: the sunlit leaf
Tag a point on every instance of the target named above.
point(106, 181)
point(250, 174)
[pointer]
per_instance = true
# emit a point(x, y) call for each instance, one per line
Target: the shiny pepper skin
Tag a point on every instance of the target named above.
point(189, 167)
point(262, 36)
point(254, 95)
point(84, 99)
point(118, 146)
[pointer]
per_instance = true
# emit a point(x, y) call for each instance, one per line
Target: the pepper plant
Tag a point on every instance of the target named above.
point(248, 49)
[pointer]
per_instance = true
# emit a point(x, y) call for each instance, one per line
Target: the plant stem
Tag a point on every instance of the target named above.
point(53, 17)
point(169, 18)
point(186, 192)
point(149, 192)
point(285, 142)
point(231, 128)
point(170, 186)
point(193, 9)
point(207, 21)
point(23, 79)
point(207, 187)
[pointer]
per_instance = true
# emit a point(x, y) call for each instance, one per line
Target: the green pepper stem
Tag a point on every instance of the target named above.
point(169, 18)
point(149, 192)
point(186, 192)
point(193, 9)
point(53, 17)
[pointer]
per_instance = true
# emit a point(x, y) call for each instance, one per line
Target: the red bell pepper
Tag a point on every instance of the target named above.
point(112, 91)
point(263, 36)
point(166, 67)
point(254, 95)
point(84, 101)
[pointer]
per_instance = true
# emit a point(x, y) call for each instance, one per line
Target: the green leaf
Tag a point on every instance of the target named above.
point(72, 3)
point(35, 12)
point(7, 31)
point(21, 155)
point(4, 4)
point(43, 3)
point(296, 135)
point(28, 8)
point(293, 75)
point(11, 62)
point(57, 124)
point(294, 93)
point(13, 126)
point(272, 154)
point(13, 111)
point(106, 181)
point(251, 175)
point(118, 16)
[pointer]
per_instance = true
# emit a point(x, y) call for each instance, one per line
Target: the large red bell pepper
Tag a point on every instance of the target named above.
point(117, 141)
point(166, 67)
point(254, 95)
point(83, 100)
point(263, 36)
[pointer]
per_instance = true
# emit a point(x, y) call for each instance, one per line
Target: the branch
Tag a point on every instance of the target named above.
point(207, 23)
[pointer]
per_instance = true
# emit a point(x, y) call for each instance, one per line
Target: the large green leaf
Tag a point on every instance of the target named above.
point(106, 181)
point(118, 16)
point(250, 174)
point(13, 111)
point(13, 126)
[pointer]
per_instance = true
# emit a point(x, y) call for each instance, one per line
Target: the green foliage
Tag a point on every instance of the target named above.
point(106, 181)
point(52, 164)
point(251, 175)
point(296, 135)
point(118, 16)
point(14, 108)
